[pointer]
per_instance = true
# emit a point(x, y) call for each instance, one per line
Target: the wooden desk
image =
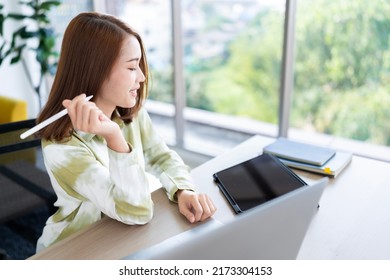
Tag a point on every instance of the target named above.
point(110, 239)
point(352, 221)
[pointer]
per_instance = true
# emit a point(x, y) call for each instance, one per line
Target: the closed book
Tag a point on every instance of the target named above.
point(332, 167)
point(300, 152)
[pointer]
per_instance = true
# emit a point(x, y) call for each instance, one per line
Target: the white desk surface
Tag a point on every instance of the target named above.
point(352, 222)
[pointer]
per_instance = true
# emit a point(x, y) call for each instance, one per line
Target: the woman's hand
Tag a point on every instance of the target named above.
point(87, 117)
point(195, 207)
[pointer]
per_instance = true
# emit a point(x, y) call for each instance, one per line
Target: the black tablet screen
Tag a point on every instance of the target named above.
point(256, 181)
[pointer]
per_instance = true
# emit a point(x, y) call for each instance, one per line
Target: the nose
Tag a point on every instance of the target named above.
point(140, 76)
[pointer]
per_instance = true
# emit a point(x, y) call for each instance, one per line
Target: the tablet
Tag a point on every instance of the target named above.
point(256, 181)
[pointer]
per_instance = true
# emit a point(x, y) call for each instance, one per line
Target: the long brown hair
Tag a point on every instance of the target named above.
point(90, 47)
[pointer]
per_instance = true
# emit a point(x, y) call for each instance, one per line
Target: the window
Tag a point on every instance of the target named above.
point(231, 60)
point(232, 65)
point(232, 56)
point(342, 72)
point(62, 15)
point(152, 20)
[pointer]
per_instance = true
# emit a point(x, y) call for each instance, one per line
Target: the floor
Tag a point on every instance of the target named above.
point(192, 159)
point(18, 237)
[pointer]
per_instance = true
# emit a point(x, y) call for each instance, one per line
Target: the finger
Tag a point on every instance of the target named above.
point(187, 213)
point(211, 204)
point(103, 117)
point(80, 97)
point(208, 207)
point(95, 119)
point(94, 116)
point(79, 115)
point(83, 114)
point(66, 103)
point(197, 209)
point(72, 108)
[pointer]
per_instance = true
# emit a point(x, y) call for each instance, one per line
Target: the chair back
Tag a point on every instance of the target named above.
point(24, 182)
point(12, 147)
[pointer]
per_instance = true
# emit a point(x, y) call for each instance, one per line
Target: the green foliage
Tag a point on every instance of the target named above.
point(161, 86)
point(342, 70)
point(345, 41)
point(42, 35)
point(245, 81)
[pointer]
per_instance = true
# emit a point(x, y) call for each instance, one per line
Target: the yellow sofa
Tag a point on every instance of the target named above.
point(12, 110)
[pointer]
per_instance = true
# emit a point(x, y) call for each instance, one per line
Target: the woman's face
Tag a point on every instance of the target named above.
point(120, 89)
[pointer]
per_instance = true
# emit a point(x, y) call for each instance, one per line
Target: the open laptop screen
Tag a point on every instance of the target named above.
point(256, 181)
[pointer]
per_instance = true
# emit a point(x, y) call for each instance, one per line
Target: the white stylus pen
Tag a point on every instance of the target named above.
point(47, 121)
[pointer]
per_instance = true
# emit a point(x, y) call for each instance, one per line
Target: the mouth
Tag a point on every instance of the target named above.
point(133, 92)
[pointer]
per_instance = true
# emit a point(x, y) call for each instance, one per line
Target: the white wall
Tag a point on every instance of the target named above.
point(13, 80)
point(13, 83)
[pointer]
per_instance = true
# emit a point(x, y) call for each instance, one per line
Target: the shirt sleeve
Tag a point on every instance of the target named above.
point(120, 190)
point(163, 162)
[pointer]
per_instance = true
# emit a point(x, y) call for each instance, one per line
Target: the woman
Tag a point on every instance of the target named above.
point(100, 157)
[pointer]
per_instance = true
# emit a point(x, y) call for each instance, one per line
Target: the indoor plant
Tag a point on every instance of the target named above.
point(35, 35)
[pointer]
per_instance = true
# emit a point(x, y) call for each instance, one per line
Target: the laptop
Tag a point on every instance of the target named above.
point(273, 230)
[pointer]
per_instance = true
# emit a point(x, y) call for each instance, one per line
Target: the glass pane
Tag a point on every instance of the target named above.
point(152, 20)
point(232, 56)
point(61, 16)
point(342, 69)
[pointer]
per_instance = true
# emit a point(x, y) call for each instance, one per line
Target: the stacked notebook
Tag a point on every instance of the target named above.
point(309, 157)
